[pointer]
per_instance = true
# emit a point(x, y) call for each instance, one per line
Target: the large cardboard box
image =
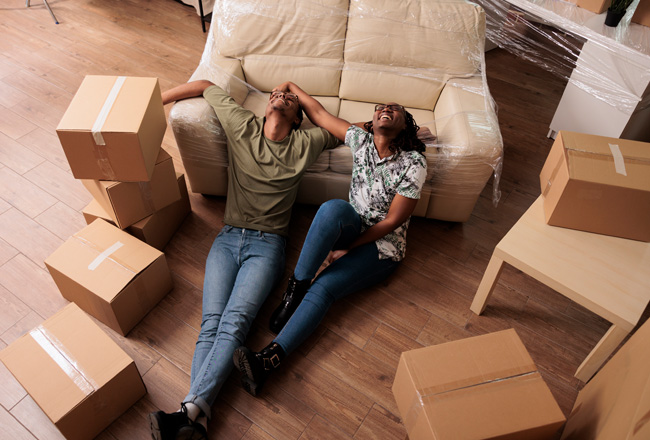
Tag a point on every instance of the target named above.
point(483, 387)
point(596, 6)
point(113, 128)
point(157, 229)
point(110, 274)
point(615, 404)
point(81, 378)
point(598, 184)
point(129, 202)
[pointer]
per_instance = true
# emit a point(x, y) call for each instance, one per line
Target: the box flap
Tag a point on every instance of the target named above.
point(609, 161)
point(127, 115)
point(102, 258)
point(468, 362)
point(64, 360)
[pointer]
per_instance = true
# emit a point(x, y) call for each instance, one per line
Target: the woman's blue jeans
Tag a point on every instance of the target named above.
point(335, 226)
point(242, 267)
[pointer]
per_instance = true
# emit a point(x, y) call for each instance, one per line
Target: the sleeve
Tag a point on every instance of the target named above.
point(231, 115)
point(354, 137)
point(414, 177)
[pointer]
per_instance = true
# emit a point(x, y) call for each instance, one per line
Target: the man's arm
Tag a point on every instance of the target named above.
point(187, 90)
point(316, 112)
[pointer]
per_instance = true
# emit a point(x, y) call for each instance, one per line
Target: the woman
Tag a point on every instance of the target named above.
point(361, 241)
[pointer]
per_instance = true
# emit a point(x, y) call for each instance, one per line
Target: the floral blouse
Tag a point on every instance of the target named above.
point(375, 182)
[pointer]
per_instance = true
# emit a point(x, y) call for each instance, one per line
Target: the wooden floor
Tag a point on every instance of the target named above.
point(338, 384)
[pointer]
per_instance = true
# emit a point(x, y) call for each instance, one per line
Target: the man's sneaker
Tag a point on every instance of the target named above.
point(165, 426)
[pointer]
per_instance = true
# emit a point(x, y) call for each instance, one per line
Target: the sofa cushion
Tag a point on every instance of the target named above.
point(406, 36)
point(301, 41)
point(316, 76)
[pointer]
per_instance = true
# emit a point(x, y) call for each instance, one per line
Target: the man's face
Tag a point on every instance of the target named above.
point(284, 102)
point(389, 116)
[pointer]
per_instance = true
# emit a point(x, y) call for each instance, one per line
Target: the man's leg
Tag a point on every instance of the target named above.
point(261, 263)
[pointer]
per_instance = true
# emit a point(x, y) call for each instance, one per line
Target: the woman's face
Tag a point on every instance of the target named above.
point(389, 116)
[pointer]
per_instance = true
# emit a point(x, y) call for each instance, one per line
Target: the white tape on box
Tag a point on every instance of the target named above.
point(59, 354)
point(104, 255)
point(106, 108)
point(619, 161)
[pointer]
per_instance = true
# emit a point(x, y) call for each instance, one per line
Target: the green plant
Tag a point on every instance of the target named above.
point(619, 6)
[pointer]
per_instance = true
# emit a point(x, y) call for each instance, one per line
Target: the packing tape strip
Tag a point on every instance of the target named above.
point(57, 351)
point(91, 245)
point(619, 161)
point(106, 108)
point(416, 408)
point(104, 255)
point(101, 154)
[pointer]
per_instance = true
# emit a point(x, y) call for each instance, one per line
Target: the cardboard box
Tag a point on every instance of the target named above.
point(642, 13)
point(129, 202)
point(111, 275)
point(616, 402)
point(595, 6)
point(113, 128)
point(80, 377)
point(483, 387)
point(598, 184)
point(157, 229)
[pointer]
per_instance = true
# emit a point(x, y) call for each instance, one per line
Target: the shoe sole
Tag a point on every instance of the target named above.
point(250, 387)
point(240, 358)
point(155, 427)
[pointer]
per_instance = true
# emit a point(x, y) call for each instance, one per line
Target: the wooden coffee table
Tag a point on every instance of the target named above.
point(609, 276)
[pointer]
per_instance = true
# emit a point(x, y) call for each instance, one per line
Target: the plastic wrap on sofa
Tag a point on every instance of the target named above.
point(373, 51)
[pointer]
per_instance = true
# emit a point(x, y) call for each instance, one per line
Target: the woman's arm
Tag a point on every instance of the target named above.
point(187, 90)
point(316, 112)
point(400, 210)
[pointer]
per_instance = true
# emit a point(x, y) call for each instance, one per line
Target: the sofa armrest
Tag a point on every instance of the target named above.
point(470, 147)
point(200, 138)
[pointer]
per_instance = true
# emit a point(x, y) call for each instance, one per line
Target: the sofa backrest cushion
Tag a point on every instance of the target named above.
point(423, 42)
point(295, 40)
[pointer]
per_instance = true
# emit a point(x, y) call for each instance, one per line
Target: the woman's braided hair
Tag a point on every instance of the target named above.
point(407, 139)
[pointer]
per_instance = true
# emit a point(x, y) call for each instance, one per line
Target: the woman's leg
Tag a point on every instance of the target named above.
point(358, 269)
point(335, 226)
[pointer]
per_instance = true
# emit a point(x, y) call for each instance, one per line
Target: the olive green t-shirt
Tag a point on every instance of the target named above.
point(263, 175)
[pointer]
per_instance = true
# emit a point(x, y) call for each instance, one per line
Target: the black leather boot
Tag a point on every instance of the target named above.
point(256, 367)
point(291, 298)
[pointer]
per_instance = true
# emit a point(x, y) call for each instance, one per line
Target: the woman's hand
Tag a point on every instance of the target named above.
point(335, 255)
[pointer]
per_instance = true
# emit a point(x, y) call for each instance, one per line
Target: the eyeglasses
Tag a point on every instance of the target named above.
point(290, 96)
point(393, 107)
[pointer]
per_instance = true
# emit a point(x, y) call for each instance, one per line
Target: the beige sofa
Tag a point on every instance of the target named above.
point(425, 54)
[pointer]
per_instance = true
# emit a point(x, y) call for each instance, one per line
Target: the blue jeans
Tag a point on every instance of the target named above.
point(335, 226)
point(242, 267)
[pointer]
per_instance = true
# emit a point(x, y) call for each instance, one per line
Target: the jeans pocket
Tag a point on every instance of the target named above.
point(274, 239)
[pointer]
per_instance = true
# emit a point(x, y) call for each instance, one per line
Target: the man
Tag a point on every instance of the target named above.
point(267, 159)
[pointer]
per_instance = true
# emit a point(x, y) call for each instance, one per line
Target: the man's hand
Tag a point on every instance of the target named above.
point(284, 87)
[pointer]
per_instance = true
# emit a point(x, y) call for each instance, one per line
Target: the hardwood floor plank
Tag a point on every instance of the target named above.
point(46, 144)
point(21, 327)
point(11, 428)
point(33, 285)
point(321, 429)
point(22, 194)
point(387, 345)
point(7, 252)
point(27, 236)
point(61, 220)
point(60, 184)
point(28, 413)
point(12, 310)
point(11, 392)
point(12, 153)
point(381, 424)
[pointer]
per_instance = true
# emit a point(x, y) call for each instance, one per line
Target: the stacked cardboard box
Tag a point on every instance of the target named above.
point(76, 373)
point(112, 135)
point(485, 387)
